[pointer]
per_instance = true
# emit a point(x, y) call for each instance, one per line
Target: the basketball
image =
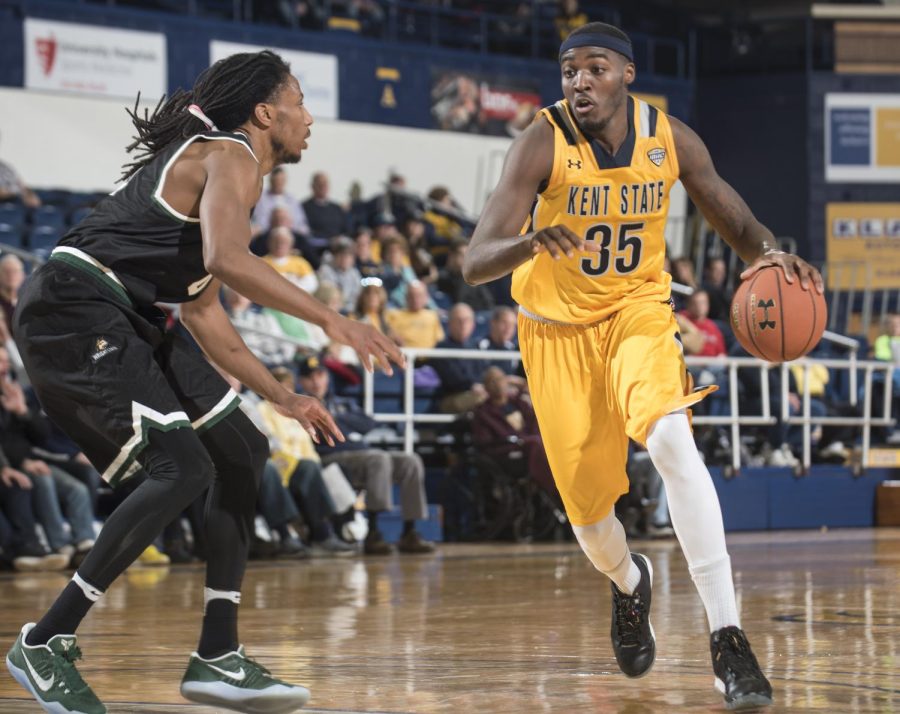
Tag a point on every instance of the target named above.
point(776, 320)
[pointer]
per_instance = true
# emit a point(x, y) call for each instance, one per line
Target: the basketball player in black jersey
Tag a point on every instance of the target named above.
point(135, 396)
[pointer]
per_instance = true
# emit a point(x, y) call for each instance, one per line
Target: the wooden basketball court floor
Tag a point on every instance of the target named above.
point(502, 628)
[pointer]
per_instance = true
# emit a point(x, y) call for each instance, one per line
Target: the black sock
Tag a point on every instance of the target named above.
point(283, 532)
point(219, 634)
point(408, 527)
point(372, 516)
point(321, 531)
point(63, 617)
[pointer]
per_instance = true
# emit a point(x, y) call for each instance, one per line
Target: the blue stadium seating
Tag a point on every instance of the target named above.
point(12, 215)
point(50, 217)
point(43, 238)
point(10, 235)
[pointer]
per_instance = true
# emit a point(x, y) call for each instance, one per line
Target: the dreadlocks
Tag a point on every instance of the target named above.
point(227, 92)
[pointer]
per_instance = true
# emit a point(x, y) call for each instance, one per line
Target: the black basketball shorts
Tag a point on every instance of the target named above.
point(106, 371)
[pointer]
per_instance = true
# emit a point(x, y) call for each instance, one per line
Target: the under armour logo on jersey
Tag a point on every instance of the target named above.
point(657, 156)
point(574, 163)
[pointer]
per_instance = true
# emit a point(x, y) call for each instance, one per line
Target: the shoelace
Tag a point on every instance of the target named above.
point(257, 672)
point(629, 618)
point(64, 666)
point(737, 657)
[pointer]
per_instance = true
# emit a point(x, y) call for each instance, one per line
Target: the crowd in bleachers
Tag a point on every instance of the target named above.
point(393, 260)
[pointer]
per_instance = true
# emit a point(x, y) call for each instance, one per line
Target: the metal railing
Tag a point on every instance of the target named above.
point(735, 420)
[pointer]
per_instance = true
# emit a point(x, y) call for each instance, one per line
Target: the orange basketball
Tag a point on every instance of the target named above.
point(775, 320)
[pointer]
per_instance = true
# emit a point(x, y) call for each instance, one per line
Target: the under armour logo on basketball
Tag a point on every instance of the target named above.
point(574, 163)
point(766, 305)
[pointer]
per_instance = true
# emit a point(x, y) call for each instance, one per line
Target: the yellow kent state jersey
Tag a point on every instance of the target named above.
point(620, 202)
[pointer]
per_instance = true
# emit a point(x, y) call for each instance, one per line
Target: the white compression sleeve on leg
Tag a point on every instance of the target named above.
point(604, 544)
point(696, 516)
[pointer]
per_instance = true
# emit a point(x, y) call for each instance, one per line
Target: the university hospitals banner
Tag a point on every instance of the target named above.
point(864, 234)
point(862, 138)
point(87, 59)
point(316, 72)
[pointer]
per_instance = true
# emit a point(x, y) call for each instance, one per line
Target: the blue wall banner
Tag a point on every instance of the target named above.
point(862, 138)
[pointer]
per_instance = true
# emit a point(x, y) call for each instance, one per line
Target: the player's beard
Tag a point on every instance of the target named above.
point(282, 155)
point(595, 127)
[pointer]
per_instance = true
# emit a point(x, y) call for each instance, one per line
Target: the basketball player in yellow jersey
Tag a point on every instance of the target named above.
point(590, 180)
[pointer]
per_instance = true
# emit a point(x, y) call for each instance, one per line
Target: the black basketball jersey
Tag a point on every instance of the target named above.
point(152, 250)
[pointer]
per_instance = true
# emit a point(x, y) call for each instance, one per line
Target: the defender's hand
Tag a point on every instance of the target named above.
point(792, 266)
point(560, 241)
point(312, 416)
point(368, 343)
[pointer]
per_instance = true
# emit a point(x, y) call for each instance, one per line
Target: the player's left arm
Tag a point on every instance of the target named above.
point(730, 215)
point(207, 321)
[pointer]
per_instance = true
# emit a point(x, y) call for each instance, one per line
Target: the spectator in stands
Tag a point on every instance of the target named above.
point(418, 325)
point(683, 273)
point(249, 320)
point(420, 256)
point(296, 461)
point(446, 230)
point(568, 17)
point(375, 470)
point(368, 15)
point(15, 359)
point(396, 273)
point(887, 349)
point(505, 427)
point(371, 307)
point(23, 431)
point(887, 346)
point(341, 271)
point(515, 30)
point(326, 218)
point(366, 263)
point(461, 388)
point(384, 229)
point(305, 14)
point(281, 219)
point(19, 543)
point(12, 275)
point(282, 257)
point(13, 188)
point(451, 281)
point(502, 336)
point(697, 312)
point(716, 275)
point(277, 196)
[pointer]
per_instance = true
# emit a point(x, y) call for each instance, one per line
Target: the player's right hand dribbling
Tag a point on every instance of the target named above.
point(312, 415)
point(560, 241)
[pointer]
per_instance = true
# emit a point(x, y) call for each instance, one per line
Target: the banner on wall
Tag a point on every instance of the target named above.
point(482, 103)
point(864, 234)
point(316, 72)
point(87, 59)
point(862, 138)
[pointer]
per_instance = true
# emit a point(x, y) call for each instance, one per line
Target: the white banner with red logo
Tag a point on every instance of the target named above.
point(316, 72)
point(87, 59)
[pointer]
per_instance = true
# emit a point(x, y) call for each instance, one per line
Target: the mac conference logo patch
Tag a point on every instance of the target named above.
point(657, 156)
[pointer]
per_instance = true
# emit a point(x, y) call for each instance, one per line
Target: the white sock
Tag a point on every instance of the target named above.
point(716, 589)
point(696, 515)
point(604, 544)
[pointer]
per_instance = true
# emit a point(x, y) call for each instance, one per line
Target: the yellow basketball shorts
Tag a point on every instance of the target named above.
point(595, 386)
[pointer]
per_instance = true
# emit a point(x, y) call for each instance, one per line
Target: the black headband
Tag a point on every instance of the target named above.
point(596, 39)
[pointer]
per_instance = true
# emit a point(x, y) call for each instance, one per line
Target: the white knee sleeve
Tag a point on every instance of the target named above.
point(604, 544)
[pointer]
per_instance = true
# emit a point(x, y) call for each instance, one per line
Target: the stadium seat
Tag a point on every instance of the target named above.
point(12, 215)
point(43, 238)
point(77, 216)
point(48, 217)
point(11, 235)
